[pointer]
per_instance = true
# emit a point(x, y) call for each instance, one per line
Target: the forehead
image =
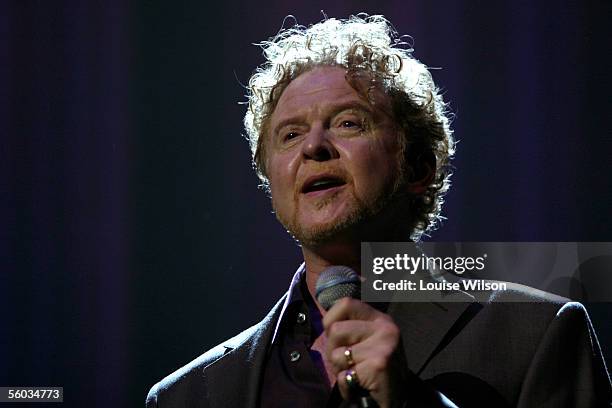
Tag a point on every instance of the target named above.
point(322, 88)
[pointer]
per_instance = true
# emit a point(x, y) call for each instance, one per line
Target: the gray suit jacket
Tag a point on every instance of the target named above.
point(541, 352)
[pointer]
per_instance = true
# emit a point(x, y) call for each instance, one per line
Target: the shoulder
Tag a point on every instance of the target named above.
point(187, 378)
point(509, 292)
point(554, 344)
point(531, 304)
point(518, 310)
point(187, 382)
point(534, 323)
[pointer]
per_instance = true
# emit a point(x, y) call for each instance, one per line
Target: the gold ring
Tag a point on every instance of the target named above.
point(352, 381)
point(348, 353)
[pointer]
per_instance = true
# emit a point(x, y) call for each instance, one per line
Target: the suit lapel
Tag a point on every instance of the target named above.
point(234, 379)
point(427, 327)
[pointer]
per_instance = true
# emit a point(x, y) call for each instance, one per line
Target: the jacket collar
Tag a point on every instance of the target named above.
point(234, 379)
point(289, 298)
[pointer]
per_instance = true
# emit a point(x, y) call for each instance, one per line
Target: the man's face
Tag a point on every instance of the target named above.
point(332, 157)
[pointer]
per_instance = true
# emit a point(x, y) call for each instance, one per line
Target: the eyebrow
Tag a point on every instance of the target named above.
point(333, 110)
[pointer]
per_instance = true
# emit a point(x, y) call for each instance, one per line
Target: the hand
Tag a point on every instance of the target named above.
point(375, 343)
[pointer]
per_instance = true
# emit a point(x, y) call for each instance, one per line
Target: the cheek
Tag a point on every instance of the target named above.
point(280, 177)
point(374, 165)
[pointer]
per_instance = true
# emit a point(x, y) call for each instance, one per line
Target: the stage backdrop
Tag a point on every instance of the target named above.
point(133, 235)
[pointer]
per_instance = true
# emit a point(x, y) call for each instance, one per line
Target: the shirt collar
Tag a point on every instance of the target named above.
point(293, 294)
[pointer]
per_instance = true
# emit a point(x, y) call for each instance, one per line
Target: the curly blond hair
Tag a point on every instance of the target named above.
point(361, 44)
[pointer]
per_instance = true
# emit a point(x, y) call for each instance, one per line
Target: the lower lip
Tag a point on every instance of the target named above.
point(319, 193)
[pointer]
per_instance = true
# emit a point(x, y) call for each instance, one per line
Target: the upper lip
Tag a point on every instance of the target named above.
point(310, 181)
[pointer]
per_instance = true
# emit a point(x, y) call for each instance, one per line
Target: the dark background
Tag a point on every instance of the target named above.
point(133, 235)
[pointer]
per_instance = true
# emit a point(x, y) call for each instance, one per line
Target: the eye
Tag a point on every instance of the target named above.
point(290, 135)
point(349, 124)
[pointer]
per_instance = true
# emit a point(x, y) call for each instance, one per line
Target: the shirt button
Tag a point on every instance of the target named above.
point(301, 318)
point(294, 356)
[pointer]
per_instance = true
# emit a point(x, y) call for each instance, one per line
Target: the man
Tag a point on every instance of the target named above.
point(351, 137)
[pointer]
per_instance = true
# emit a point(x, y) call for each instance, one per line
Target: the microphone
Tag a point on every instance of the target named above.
point(335, 283)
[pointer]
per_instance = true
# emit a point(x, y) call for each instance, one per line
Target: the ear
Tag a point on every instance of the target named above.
point(422, 173)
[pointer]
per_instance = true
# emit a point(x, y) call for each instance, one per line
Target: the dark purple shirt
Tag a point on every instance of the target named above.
point(294, 374)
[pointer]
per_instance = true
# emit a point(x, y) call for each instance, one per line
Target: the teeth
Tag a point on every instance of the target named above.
point(321, 182)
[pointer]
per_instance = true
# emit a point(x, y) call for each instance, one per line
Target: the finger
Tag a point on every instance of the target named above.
point(358, 389)
point(349, 309)
point(373, 353)
point(348, 333)
point(343, 386)
point(337, 357)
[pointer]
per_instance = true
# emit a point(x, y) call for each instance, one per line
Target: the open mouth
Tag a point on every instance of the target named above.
point(322, 183)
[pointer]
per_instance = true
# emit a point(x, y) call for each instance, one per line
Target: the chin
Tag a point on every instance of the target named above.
point(354, 221)
point(341, 229)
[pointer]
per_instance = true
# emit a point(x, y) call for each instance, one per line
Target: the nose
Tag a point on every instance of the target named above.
point(318, 146)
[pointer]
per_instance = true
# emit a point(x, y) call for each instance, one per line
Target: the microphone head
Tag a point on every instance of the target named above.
point(337, 282)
